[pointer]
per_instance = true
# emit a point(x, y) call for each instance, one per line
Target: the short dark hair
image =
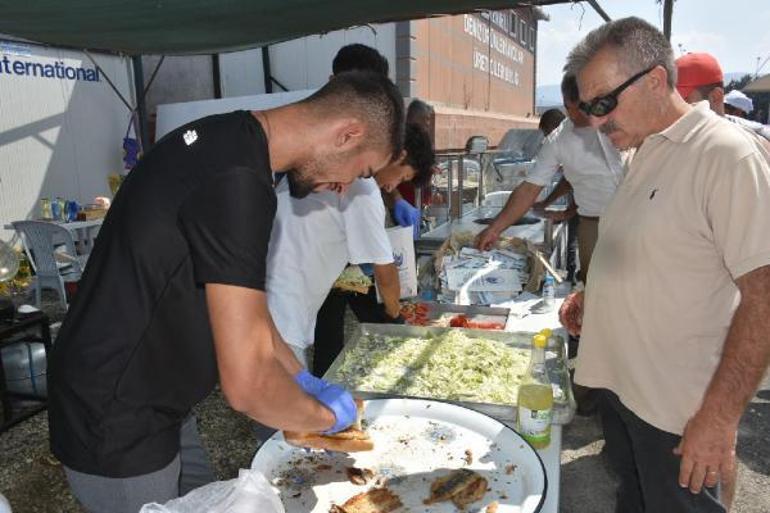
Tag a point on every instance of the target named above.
point(706, 89)
point(569, 88)
point(549, 120)
point(372, 97)
point(418, 108)
point(419, 154)
point(359, 57)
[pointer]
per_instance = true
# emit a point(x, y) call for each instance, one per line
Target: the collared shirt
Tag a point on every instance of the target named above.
point(591, 164)
point(313, 239)
point(691, 216)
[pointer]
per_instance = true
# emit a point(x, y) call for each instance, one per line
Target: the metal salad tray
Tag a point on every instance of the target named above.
point(504, 413)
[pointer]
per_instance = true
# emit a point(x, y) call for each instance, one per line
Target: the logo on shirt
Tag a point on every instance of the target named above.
point(190, 137)
point(653, 193)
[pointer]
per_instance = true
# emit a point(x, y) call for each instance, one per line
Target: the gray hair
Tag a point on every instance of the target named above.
point(639, 43)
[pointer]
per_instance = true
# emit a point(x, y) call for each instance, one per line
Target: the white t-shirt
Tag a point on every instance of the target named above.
point(312, 241)
point(758, 128)
point(592, 165)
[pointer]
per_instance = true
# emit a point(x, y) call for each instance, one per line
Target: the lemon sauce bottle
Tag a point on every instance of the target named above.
point(535, 401)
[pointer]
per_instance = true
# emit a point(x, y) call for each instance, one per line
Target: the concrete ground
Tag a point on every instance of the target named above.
point(33, 480)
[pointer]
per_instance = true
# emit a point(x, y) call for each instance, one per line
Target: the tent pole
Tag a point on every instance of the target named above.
point(109, 81)
point(141, 105)
point(266, 69)
point(599, 10)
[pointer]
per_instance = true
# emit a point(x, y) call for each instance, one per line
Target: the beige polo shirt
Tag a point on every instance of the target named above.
point(691, 216)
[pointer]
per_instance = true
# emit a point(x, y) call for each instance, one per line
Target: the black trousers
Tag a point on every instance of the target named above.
point(572, 247)
point(642, 457)
point(330, 323)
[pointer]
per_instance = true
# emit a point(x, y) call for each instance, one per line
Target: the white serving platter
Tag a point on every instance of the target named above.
point(416, 441)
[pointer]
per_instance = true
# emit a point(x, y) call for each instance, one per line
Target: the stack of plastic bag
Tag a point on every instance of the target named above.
point(473, 277)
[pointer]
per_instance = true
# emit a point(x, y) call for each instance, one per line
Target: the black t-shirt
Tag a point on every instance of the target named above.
point(135, 351)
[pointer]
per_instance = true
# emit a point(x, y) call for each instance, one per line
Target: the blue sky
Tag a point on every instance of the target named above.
point(736, 32)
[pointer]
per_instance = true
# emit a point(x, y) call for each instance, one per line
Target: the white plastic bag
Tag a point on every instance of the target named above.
point(249, 493)
point(5, 506)
point(402, 242)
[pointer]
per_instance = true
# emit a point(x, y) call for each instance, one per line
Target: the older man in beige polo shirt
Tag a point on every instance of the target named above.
point(676, 312)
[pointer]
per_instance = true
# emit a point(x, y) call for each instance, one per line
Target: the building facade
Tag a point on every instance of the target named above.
point(477, 70)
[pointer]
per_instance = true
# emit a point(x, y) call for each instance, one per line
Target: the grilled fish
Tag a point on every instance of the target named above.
point(462, 487)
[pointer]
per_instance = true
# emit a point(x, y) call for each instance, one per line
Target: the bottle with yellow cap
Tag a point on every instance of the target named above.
point(564, 405)
point(535, 401)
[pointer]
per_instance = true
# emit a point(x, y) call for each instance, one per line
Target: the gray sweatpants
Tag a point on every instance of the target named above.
point(190, 469)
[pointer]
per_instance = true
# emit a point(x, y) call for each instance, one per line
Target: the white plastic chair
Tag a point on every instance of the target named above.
point(52, 267)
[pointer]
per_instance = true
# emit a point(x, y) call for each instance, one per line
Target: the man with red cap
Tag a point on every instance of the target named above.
point(699, 77)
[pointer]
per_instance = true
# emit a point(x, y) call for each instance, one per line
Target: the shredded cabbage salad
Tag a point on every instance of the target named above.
point(450, 366)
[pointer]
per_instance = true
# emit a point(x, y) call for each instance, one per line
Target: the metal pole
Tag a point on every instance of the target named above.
point(215, 76)
point(449, 187)
point(266, 69)
point(668, 13)
point(141, 104)
point(599, 10)
point(460, 186)
point(483, 163)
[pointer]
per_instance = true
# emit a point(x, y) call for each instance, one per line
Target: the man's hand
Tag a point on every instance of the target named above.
point(334, 397)
point(486, 239)
point(393, 310)
point(558, 216)
point(707, 449)
point(308, 383)
point(407, 215)
point(341, 403)
point(571, 313)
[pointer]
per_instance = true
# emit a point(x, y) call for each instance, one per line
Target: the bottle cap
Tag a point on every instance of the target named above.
point(547, 332)
point(539, 341)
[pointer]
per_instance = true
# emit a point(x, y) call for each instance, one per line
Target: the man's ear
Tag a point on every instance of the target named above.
point(349, 133)
point(717, 96)
point(658, 80)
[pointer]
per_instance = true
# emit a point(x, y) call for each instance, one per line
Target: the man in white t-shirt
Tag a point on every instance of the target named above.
point(313, 239)
point(591, 164)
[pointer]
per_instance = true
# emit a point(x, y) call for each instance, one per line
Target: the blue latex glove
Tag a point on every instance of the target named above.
point(309, 383)
point(407, 215)
point(341, 403)
point(334, 397)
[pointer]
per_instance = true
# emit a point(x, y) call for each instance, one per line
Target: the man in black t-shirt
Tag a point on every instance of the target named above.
point(173, 296)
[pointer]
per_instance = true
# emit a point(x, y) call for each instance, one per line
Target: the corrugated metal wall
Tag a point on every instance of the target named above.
point(61, 127)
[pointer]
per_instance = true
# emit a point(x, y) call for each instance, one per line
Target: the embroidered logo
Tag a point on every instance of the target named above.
point(190, 137)
point(652, 194)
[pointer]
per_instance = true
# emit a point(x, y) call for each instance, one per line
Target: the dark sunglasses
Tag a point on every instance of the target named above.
point(603, 105)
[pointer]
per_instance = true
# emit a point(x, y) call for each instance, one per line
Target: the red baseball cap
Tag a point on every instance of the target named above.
point(696, 69)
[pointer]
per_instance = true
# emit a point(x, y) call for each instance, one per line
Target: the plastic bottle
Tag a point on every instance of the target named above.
point(564, 404)
point(548, 294)
point(45, 209)
point(535, 401)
